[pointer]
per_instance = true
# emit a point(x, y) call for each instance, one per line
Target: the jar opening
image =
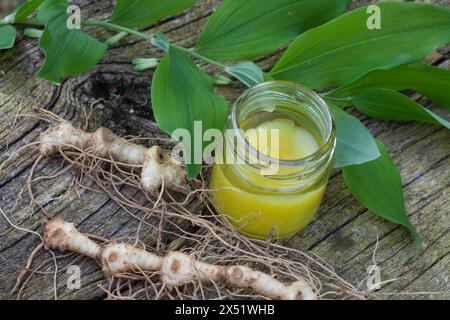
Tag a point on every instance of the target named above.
point(290, 101)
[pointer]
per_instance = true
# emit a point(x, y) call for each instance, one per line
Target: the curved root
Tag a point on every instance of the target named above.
point(176, 268)
point(157, 165)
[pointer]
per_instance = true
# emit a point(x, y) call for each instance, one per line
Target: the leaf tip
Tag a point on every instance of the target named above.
point(417, 238)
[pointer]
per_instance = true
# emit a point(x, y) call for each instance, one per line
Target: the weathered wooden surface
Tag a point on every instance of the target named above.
point(344, 233)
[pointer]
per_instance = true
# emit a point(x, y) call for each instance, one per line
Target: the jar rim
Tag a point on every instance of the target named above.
point(329, 140)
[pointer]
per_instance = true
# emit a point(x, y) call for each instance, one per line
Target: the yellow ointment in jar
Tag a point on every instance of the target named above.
point(276, 161)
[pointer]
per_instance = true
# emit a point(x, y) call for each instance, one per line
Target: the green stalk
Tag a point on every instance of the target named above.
point(115, 27)
point(116, 38)
point(124, 31)
point(197, 55)
point(150, 38)
point(33, 33)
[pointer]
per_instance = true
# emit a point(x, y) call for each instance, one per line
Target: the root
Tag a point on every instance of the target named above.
point(216, 262)
point(156, 164)
point(25, 270)
point(176, 268)
point(30, 180)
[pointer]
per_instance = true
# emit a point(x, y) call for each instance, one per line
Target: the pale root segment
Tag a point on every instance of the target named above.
point(176, 269)
point(157, 165)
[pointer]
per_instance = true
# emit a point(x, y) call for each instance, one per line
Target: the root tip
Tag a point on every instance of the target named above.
point(55, 234)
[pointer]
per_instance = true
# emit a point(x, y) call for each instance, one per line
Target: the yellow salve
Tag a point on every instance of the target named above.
point(252, 207)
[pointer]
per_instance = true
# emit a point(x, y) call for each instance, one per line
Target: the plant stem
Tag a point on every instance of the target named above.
point(116, 38)
point(112, 26)
point(150, 38)
point(197, 55)
point(33, 33)
point(124, 31)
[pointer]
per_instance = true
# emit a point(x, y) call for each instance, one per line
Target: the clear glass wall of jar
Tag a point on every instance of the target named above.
point(259, 201)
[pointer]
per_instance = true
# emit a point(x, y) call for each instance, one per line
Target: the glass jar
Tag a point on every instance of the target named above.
point(260, 201)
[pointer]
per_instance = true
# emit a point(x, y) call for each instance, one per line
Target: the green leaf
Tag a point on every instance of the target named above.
point(354, 143)
point(68, 52)
point(183, 94)
point(7, 37)
point(377, 185)
point(247, 72)
point(25, 11)
point(429, 81)
point(385, 104)
point(142, 13)
point(345, 49)
point(251, 28)
point(52, 9)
